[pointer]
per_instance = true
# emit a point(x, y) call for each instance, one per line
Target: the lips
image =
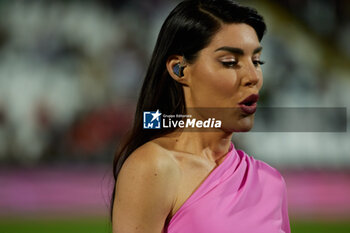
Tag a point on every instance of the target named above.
point(249, 104)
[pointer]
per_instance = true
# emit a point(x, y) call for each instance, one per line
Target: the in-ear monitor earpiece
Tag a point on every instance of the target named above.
point(178, 70)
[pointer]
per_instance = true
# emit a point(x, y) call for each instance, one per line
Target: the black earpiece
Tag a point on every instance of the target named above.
point(178, 70)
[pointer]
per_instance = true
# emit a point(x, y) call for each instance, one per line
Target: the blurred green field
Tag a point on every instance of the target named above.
point(322, 226)
point(98, 225)
point(84, 225)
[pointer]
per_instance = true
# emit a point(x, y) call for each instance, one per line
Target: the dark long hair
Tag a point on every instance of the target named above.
point(188, 29)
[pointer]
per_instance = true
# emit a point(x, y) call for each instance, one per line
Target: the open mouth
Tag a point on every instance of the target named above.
point(250, 100)
point(249, 103)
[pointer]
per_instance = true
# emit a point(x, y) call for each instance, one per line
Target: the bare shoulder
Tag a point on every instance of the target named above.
point(151, 161)
point(152, 155)
point(146, 190)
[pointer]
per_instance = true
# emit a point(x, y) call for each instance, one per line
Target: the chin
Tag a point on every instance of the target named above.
point(242, 125)
point(244, 129)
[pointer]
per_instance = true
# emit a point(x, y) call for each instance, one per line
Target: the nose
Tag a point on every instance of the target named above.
point(251, 75)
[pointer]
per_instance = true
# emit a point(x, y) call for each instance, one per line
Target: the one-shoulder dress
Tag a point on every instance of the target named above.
point(241, 195)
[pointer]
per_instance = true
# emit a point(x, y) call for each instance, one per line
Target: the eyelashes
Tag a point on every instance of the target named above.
point(229, 63)
point(258, 62)
point(234, 63)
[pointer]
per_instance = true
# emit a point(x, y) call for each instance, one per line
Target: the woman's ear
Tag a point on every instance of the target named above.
point(176, 66)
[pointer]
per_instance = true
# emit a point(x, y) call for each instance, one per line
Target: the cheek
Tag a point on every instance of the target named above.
point(226, 81)
point(213, 85)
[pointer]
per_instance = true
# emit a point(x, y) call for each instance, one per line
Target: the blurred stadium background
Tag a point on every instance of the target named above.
point(70, 72)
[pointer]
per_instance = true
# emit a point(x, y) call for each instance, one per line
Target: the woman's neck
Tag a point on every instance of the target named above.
point(212, 145)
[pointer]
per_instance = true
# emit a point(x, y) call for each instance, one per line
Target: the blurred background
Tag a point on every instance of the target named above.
point(70, 73)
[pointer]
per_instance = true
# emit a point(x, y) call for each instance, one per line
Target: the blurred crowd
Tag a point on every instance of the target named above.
point(70, 73)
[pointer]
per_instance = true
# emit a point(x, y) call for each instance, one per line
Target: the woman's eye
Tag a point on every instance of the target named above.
point(229, 63)
point(258, 62)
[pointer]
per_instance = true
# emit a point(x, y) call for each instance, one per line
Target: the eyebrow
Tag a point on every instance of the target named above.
point(237, 50)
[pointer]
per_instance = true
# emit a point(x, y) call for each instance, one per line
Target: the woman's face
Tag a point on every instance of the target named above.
point(224, 74)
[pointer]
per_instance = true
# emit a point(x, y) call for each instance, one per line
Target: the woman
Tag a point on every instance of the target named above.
point(172, 180)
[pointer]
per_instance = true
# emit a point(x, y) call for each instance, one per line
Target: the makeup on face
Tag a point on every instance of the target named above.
point(227, 75)
point(233, 59)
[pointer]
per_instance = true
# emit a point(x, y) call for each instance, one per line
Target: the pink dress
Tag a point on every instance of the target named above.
point(241, 195)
